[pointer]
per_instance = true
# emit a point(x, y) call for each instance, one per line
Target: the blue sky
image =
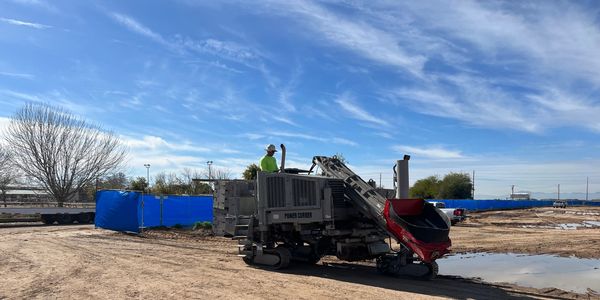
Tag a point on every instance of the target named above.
point(508, 89)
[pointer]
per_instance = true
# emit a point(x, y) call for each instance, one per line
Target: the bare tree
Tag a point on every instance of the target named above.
point(8, 173)
point(61, 151)
point(194, 187)
point(217, 173)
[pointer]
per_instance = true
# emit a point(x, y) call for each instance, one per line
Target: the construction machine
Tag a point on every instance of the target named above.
point(302, 217)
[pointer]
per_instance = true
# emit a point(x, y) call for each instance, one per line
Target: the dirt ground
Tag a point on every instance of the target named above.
point(79, 261)
point(532, 231)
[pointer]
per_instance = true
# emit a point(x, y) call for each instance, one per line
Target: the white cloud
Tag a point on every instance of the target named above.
point(253, 136)
point(181, 44)
point(356, 112)
point(304, 136)
point(21, 96)
point(17, 75)
point(37, 4)
point(384, 135)
point(369, 41)
point(138, 28)
point(284, 120)
point(164, 162)
point(296, 135)
point(560, 37)
point(225, 49)
point(536, 55)
point(343, 141)
point(429, 152)
point(478, 102)
point(474, 104)
point(150, 142)
point(26, 24)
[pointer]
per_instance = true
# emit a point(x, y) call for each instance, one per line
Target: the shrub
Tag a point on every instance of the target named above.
point(202, 225)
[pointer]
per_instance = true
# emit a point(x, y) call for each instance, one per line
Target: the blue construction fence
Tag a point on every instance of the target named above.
point(479, 205)
point(130, 211)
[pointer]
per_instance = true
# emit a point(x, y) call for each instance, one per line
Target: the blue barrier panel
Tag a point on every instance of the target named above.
point(186, 210)
point(151, 211)
point(477, 205)
point(117, 210)
point(125, 211)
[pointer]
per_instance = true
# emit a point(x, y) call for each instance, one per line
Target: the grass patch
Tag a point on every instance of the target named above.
point(202, 225)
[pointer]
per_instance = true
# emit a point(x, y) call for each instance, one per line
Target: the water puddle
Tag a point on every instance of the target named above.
point(567, 226)
point(537, 271)
point(574, 226)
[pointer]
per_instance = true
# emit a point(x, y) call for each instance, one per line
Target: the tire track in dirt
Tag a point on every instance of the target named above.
point(97, 264)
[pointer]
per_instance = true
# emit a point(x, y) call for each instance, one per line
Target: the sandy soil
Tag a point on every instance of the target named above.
point(532, 231)
point(79, 261)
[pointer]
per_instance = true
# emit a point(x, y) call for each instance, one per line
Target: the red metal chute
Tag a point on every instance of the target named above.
point(418, 226)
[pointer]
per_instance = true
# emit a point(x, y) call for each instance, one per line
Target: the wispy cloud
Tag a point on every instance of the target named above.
point(226, 49)
point(542, 55)
point(478, 102)
point(429, 152)
point(24, 23)
point(343, 141)
point(360, 37)
point(304, 136)
point(480, 106)
point(150, 142)
point(54, 97)
point(253, 136)
point(296, 135)
point(21, 95)
point(180, 44)
point(138, 28)
point(284, 120)
point(286, 94)
point(37, 4)
point(17, 75)
point(347, 103)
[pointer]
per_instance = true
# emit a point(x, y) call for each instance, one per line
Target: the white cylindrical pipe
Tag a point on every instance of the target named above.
point(402, 178)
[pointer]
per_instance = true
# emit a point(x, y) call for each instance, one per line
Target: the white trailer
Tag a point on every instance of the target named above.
point(51, 215)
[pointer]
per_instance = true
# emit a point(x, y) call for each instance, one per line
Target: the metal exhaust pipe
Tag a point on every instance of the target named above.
point(402, 178)
point(282, 168)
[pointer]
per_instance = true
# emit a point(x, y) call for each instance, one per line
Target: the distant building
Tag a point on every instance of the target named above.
point(38, 195)
point(520, 196)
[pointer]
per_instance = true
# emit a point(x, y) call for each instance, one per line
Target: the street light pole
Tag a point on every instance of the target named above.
point(209, 163)
point(587, 186)
point(147, 175)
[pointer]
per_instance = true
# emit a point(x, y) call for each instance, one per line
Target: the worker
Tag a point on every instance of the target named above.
point(268, 162)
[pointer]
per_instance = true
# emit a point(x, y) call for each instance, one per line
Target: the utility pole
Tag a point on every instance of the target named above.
point(558, 192)
point(512, 192)
point(473, 186)
point(587, 185)
point(147, 175)
point(209, 163)
point(379, 179)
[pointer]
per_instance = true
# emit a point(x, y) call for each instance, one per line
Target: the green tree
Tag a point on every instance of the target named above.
point(456, 186)
point(427, 188)
point(138, 184)
point(250, 172)
point(116, 181)
point(172, 184)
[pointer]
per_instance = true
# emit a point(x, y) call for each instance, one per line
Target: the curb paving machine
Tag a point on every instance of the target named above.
point(303, 217)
